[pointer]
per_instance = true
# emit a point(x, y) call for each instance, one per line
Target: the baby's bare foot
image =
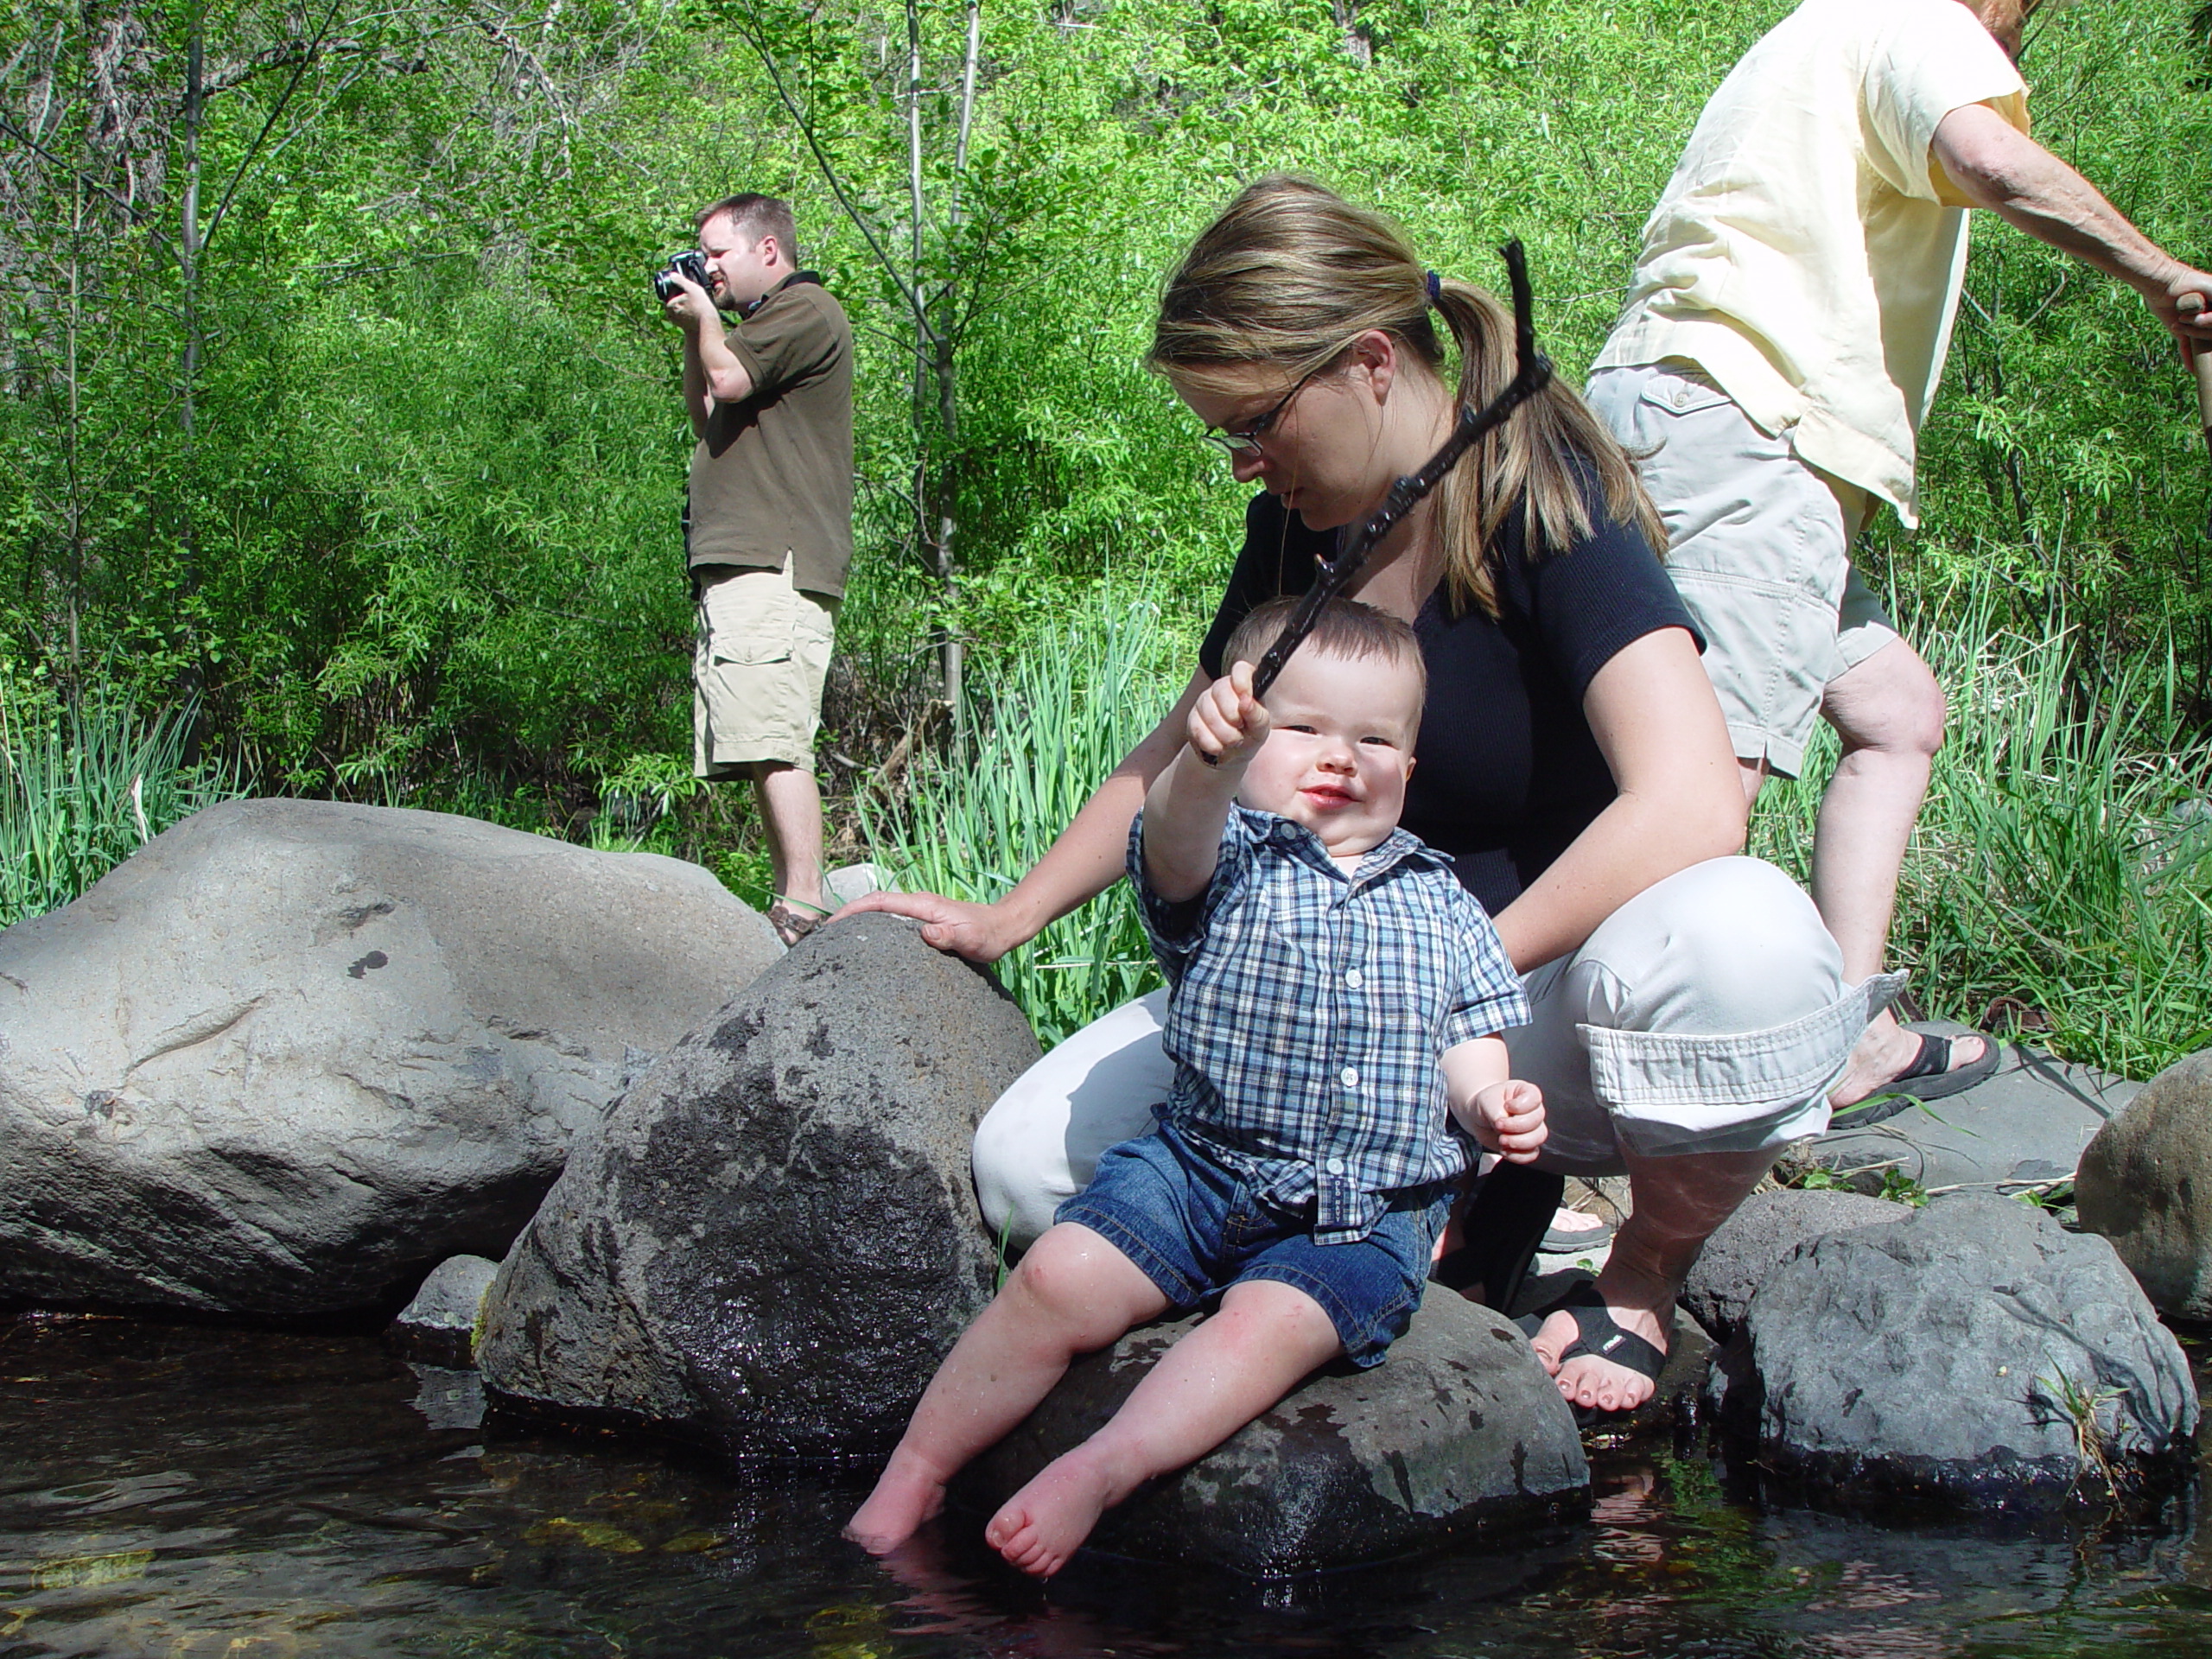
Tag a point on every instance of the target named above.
point(1045, 1523)
point(909, 1492)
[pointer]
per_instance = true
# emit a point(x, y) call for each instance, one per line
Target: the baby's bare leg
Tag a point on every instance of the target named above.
point(1267, 1337)
point(1073, 1292)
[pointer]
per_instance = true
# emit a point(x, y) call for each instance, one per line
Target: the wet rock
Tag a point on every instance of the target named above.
point(1457, 1433)
point(438, 1326)
point(1765, 1229)
point(292, 1054)
point(1973, 1355)
point(2145, 1184)
point(773, 1237)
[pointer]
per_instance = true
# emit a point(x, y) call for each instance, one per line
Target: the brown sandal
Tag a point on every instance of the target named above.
point(791, 926)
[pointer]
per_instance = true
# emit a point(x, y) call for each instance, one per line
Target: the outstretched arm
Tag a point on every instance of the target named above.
point(1996, 166)
point(1188, 803)
point(1082, 864)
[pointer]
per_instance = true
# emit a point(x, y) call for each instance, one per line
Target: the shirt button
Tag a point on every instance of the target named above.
point(1336, 1165)
point(1350, 1075)
point(1355, 979)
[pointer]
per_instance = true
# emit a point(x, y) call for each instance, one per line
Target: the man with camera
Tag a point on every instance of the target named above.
point(768, 524)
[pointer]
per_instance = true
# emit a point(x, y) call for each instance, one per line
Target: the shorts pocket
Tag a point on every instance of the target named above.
point(1677, 394)
point(750, 623)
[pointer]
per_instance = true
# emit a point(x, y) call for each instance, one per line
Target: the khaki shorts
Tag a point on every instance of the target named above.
point(1759, 547)
point(763, 653)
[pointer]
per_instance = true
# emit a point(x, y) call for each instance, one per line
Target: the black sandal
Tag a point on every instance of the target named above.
point(1598, 1337)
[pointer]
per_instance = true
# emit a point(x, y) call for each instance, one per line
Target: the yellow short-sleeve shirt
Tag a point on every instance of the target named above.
point(1808, 251)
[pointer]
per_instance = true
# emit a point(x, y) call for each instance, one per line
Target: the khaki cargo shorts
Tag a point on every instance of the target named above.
point(757, 672)
point(1759, 547)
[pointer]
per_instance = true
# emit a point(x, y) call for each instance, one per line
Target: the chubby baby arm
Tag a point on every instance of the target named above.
point(1503, 1113)
point(1187, 805)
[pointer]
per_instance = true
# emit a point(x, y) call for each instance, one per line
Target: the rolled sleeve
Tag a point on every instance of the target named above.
point(1488, 998)
point(1177, 927)
point(1915, 75)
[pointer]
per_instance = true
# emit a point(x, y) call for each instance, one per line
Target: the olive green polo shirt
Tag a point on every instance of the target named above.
point(773, 476)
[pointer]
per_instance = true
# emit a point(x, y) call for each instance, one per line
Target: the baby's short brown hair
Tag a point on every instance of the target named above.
point(1345, 627)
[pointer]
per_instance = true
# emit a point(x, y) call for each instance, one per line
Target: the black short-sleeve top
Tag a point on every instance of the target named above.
point(1508, 771)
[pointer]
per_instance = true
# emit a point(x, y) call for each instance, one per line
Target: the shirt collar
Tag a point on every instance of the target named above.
point(1399, 846)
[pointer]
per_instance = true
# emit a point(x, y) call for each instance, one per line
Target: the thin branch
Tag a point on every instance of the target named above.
point(299, 73)
point(830, 172)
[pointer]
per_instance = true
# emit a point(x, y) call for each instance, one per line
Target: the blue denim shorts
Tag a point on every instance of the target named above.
point(1194, 1228)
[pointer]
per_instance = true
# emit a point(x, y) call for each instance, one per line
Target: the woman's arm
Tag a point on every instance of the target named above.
point(1082, 864)
point(1681, 801)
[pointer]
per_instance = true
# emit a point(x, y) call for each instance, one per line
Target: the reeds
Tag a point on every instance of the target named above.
point(1045, 732)
point(2059, 888)
point(2056, 890)
point(82, 787)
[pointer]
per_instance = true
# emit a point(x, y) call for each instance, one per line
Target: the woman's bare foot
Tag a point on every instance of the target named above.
point(908, 1492)
point(1045, 1523)
point(1885, 1050)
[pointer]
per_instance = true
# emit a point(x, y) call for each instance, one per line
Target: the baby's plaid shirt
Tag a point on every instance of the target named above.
point(1308, 1010)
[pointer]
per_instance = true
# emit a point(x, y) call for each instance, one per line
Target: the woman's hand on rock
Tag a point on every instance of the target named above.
point(979, 932)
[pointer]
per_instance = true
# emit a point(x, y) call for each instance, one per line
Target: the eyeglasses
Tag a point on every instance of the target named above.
point(1244, 442)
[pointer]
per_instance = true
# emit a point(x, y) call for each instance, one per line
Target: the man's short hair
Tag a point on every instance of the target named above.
point(754, 217)
point(1344, 627)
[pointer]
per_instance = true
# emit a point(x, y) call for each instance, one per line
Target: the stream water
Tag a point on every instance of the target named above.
point(177, 1491)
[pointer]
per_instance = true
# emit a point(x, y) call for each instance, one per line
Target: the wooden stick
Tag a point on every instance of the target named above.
point(2199, 353)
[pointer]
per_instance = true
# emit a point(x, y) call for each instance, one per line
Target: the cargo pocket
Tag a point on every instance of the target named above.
point(750, 621)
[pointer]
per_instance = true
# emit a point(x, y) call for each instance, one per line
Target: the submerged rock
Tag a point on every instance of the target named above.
point(291, 1054)
point(1975, 1354)
point(773, 1238)
point(2145, 1184)
point(438, 1326)
point(1458, 1433)
point(1765, 1229)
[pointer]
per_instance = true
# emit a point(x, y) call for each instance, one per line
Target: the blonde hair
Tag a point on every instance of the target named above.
point(1290, 274)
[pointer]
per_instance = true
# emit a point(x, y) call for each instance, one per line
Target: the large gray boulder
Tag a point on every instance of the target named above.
point(1457, 1433)
point(773, 1238)
point(292, 1054)
point(1765, 1229)
point(2145, 1184)
point(1975, 1354)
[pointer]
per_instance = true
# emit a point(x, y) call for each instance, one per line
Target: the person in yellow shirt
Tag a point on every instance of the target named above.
point(1782, 342)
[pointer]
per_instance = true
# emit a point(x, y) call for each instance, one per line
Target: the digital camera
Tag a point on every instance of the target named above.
point(691, 262)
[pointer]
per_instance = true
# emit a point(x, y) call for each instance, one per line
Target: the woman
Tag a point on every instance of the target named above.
point(1690, 1011)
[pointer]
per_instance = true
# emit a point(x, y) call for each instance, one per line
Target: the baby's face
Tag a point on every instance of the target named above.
point(1341, 749)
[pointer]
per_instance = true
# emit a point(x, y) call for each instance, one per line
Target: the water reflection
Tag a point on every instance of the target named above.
point(180, 1491)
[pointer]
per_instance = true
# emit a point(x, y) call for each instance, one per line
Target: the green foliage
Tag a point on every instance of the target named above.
point(1059, 719)
point(82, 788)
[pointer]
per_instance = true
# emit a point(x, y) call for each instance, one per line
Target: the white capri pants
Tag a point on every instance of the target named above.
point(1708, 1013)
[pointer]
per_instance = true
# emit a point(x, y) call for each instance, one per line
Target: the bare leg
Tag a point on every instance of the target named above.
point(1073, 1292)
point(791, 811)
point(1675, 1203)
point(1889, 713)
point(1267, 1337)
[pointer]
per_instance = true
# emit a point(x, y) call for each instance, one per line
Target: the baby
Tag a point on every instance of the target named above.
point(1335, 1001)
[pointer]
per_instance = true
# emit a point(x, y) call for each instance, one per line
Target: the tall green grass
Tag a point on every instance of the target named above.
point(85, 786)
point(2058, 884)
point(1045, 733)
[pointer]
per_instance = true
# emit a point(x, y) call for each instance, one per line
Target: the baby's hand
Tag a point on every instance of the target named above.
point(1510, 1119)
point(1227, 722)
